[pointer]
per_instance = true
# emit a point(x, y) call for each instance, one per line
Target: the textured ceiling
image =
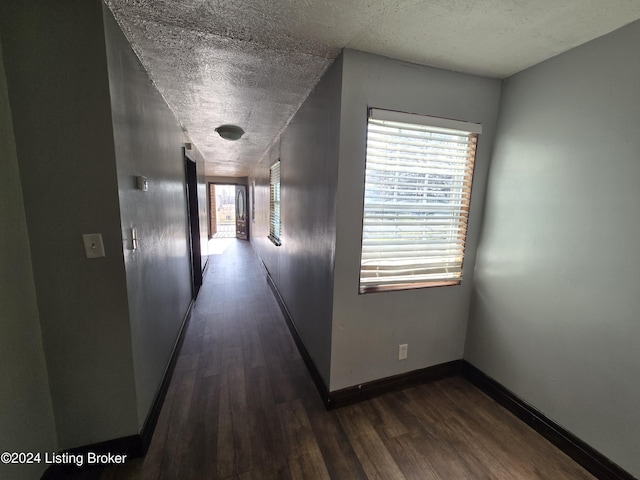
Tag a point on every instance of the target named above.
point(252, 63)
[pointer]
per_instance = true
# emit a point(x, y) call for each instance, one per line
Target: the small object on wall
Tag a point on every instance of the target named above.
point(142, 183)
point(403, 350)
point(93, 246)
point(134, 238)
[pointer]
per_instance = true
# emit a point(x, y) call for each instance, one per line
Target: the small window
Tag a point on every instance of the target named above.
point(417, 191)
point(274, 203)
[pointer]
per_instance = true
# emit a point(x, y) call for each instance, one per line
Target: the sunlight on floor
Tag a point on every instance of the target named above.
point(217, 246)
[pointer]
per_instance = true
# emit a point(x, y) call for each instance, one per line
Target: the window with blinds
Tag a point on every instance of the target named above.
point(274, 203)
point(418, 179)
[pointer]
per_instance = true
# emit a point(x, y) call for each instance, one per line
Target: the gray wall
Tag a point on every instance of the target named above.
point(367, 329)
point(54, 56)
point(229, 180)
point(556, 303)
point(148, 142)
point(302, 267)
point(26, 422)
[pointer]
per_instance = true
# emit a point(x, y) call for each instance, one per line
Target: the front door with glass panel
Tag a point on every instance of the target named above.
point(241, 213)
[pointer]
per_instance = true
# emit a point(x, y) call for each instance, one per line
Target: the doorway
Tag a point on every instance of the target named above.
point(191, 177)
point(222, 211)
point(228, 211)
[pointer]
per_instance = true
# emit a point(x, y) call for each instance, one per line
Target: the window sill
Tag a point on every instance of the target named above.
point(394, 288)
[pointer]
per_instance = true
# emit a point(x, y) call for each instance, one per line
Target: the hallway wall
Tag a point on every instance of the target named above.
point(26, 422)
point(555, 315)
point(148, 141)
point(228, 180)
point(302, 267)
point(87, 120)
point(56, 69)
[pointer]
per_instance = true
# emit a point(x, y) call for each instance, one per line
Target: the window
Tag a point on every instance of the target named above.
point(416, 200)
point(274, 203)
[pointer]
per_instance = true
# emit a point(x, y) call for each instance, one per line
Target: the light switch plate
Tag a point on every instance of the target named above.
point(142, 183)
point(93, 246)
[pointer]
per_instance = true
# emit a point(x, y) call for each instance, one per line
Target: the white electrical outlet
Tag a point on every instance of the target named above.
point(402, 351)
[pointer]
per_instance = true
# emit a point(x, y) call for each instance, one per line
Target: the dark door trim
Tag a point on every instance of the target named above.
point(193, 216)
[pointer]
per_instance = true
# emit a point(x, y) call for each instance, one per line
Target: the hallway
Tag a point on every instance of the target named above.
point(226, 402)
point(242, 405)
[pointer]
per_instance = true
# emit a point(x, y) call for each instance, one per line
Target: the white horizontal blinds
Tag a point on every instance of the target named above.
point(274, 202)
point(416, 205)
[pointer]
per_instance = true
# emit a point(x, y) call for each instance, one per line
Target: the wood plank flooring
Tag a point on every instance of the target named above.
point(242, 406)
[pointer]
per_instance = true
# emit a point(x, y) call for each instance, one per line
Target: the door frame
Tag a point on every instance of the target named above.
point(211, 202)
point(193, 220)
point(211, 208)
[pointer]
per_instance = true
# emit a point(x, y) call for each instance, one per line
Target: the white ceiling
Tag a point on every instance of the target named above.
point(252, 63)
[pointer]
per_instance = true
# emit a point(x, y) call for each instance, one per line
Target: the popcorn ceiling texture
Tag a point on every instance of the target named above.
point(209, 80)
point(252, 63)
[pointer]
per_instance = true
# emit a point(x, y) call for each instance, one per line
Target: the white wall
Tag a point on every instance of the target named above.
point(302, 268)
point(148, 141)
point(367, 329)
point(556, 305)
point(26, 421)
point(54, 57)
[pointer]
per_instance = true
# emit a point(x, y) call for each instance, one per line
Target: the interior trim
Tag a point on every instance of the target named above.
point(154, 412)
point(133, 446)
point(365, 391)
point(582, 453)
point(313, 371)
point(585, 455)
point(375, 388)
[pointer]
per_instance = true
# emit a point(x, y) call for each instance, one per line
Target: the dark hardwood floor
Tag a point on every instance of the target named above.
point(242, 406)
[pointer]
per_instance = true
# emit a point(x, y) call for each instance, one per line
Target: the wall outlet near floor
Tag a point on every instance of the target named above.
point(402, 351)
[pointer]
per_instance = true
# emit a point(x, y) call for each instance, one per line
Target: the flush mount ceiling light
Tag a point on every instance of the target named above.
point(230, 132)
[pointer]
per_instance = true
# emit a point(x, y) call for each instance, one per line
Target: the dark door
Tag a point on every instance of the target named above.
point(241, 213)
point(194, 225)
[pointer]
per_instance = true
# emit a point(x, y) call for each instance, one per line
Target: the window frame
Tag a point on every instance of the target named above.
point(371, 270)
point(275, 199)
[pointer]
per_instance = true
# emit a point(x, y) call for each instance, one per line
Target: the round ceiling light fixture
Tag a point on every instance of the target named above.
point(230, 132)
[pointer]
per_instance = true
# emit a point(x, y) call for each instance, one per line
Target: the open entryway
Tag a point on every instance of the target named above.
point(227, 211)
point(222, 210)
point(191, 177)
